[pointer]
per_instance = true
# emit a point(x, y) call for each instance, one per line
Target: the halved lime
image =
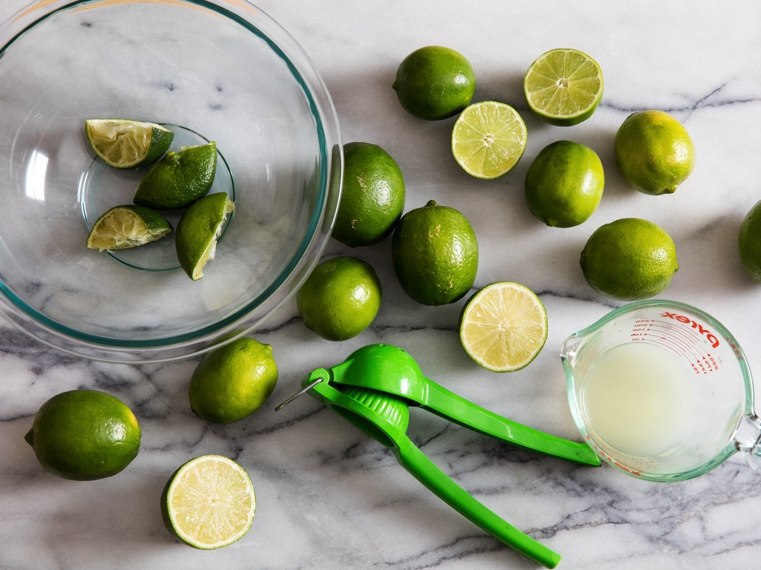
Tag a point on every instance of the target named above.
point(179, 178)
point(123, 227)
point(209, 502)
point(122, 143)
point(503, 326)
point(563, 86)
point(488, 139)
point(199, 229)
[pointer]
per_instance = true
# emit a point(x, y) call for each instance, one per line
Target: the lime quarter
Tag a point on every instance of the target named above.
point(563, 86)
point(209, 502)
point(503, 326)
point(123, 227)
point(488, 139)
point(123, 143)
point(198, 230)
point(179, 178)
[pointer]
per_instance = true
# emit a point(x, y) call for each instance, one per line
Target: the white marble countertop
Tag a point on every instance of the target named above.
point(328, 497)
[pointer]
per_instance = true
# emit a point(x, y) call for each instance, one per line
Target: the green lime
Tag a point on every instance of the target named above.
point(123, 227)
point(749, 242)
point(123, 143)
point(209, 502)
point(488, 139)
point(434, 83)
point(179, 178)
point(233, 381)
point(84, 435)
point(563, 86)
point(372, 198)
point(654, 152)
point(564, 184)
point(340, 298)
point(629, 259)
point(198, 230)
point(503, 326)
point(435, 254)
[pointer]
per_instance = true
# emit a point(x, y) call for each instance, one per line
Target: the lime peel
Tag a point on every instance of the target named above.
point(503, 326)
point(124, 227)
point(124, 143)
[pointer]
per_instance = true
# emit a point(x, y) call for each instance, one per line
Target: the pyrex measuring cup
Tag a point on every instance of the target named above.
point(662, 391)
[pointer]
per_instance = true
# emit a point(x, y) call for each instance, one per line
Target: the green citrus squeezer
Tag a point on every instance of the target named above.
point(374, 388)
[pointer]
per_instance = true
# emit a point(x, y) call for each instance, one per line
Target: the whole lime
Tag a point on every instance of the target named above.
point(654, 152)
point(435, 82)
point(564, 184)
point(84, 435)
point(340, 298)
point(372, 198)
point(749, 242)
point(435, 254)
point(233, 381)
point(629, 259)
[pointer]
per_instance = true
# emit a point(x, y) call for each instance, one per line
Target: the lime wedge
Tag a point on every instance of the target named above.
point(503, 326)
point(209, 502)
point(563, 86)
point(488, 139)
point(198, 231)
point(122, 143)
point(179, 178)
point(123, 227)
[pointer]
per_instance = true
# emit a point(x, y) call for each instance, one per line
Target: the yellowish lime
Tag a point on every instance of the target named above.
point(340, 298)
point(198, 230)
point(233, 381)
point(434, 82)
point(209, 502)
point(123, 227)
point(629, 259)
point(179, 178)
point(503, 326)
point(123, 143)
point(654, 152)
point(563, 86)
point(488, 139)
point(84, 435)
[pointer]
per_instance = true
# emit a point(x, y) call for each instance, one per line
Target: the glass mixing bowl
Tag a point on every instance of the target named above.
point(211, 70)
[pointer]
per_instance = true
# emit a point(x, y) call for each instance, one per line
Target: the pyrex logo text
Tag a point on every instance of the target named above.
point(710, 337)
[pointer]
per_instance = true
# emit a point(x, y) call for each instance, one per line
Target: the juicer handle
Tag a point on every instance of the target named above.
point(425, 471)
point(452, 407)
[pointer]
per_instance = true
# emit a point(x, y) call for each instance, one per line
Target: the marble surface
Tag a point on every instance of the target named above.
point(328, 497)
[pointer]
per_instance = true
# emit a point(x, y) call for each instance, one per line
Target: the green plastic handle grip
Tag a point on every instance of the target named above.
point(391, 370)
point(370, 410)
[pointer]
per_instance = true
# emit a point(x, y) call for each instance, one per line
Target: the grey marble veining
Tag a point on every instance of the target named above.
point(328, 497)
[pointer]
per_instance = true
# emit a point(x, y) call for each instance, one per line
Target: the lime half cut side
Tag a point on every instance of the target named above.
point(123, 143)
point(503, 326)
point(209, 502)
point(198, 231)
point(488, 139)
point(563, 86)
point(123, 227)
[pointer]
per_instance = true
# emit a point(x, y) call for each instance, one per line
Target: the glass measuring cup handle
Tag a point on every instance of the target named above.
point(456, 409)
point(748, 440)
